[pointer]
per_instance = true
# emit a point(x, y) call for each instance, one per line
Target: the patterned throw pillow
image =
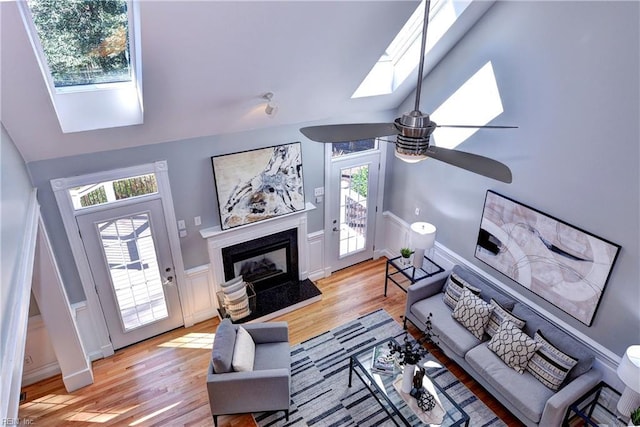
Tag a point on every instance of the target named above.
point(472, 313)
point(513, 346)
point(498, 316)
point(549, 365)
point(453, 290)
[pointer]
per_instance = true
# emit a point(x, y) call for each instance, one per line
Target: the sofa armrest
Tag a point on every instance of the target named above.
point(268, 332)
point(557, 405)
point(425, 288)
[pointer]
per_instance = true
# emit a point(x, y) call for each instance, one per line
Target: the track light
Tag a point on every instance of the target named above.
point(272, 108)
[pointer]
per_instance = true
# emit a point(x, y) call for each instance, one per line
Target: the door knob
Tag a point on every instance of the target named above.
point(336, 229)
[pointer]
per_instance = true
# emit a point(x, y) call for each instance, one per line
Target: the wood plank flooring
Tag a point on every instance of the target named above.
point(161, 381)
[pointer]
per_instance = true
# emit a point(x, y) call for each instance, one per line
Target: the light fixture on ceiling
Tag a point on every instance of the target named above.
point(272, 108)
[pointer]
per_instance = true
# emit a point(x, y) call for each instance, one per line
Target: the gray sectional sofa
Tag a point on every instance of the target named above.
point(533, 402)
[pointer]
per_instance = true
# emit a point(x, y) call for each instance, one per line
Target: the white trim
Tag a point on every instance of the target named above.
point(55, 309)
point(315, 242)
point(60, 188)
point(14, 326)
point(199, 282)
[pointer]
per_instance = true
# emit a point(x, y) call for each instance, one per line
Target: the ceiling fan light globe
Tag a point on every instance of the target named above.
point(410, 158)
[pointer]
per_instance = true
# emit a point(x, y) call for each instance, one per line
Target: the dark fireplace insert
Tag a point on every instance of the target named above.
point(266, 262)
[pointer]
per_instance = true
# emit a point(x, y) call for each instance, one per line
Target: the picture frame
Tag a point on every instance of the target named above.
point(258, 184)
point(565, 265)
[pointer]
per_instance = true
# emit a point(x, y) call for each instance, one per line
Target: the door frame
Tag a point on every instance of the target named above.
point(378, 236)
point(60, 188)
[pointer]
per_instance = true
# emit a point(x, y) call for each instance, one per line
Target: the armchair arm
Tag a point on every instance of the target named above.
point(240, 392)
point(268, 332)
point(425, 288)
point(557, 405)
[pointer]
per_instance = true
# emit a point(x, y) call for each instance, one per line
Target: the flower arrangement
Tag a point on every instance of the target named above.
point(411, 352)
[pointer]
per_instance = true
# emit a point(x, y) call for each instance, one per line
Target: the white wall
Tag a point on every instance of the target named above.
point(18, 210)
point(568, 76)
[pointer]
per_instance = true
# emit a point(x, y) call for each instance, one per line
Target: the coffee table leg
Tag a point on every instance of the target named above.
point(350, 369)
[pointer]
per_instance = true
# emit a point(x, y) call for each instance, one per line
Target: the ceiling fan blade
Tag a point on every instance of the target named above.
point(472, 162)
point(477, 127)
point(348, 132)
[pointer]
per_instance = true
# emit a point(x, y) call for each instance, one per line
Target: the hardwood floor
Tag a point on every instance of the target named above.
point(161, 381)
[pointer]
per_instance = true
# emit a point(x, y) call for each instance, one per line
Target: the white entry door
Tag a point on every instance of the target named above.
point(352, 199)
point(130, 259)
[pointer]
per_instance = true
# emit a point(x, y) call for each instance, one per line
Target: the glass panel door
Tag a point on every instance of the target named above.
point(129, 256)
point(352, 199)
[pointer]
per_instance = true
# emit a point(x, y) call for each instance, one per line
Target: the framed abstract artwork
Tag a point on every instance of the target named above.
point(565, 265)
point(258, 184)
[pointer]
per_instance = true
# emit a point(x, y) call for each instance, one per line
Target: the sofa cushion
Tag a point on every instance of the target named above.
point(472, 313)
point(223, 345)
point(448, 332)
point(453, 290)
point(487, 291)
point(523, 391)
point(556, 336)
point(499, 315)
point(549, 365)
point(513, 346)
point(244, 352)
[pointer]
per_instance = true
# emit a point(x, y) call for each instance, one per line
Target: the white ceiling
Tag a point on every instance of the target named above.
point(205, 66)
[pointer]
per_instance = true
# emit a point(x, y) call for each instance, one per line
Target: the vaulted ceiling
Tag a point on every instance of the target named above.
point(205, 66)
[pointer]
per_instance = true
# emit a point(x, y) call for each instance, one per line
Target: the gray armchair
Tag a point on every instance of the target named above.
point(267, 387)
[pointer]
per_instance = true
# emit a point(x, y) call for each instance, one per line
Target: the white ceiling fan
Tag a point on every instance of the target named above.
point(413, 131)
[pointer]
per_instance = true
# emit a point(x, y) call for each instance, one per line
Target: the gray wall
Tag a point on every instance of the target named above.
point(568, 75)
point(192, 185)
point(15, 194)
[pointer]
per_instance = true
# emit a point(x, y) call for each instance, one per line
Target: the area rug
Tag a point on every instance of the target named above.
point(320, 395)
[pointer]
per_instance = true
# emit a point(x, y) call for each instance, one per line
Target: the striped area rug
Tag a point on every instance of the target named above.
point(320, 394)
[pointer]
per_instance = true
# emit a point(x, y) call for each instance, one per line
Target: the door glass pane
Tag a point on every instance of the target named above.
point(339, 149)
point(354, 183)
point(133, 265)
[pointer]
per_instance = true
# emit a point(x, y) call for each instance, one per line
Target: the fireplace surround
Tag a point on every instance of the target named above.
point(273, 298)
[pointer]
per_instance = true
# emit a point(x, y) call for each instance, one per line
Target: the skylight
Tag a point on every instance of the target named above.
point(89, 56)
point(83, 42)
point(403, 53)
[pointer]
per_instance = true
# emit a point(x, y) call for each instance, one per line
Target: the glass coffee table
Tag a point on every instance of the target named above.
point(381, 386)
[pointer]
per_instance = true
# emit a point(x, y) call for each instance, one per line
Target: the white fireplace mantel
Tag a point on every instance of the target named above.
point(218, 239)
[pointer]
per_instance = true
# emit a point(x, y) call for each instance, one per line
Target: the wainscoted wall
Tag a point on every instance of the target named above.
point(39, 358)
point(200, 282)
point(397, 236)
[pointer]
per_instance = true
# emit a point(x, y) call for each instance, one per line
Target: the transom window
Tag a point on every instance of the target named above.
point(111, 191)
point(339, 149)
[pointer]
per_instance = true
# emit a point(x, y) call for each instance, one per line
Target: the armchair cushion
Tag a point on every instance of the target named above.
point(244, 352)
point(223, 345)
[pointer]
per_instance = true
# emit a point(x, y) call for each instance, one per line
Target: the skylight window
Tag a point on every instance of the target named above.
point(83, 42)
point(403, 53)
point(89, 56)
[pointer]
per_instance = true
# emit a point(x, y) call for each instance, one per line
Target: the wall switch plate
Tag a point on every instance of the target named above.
point(182, 225)
point(319, 199)
point(197, 220)
point(183, 233)
point(318, 191)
